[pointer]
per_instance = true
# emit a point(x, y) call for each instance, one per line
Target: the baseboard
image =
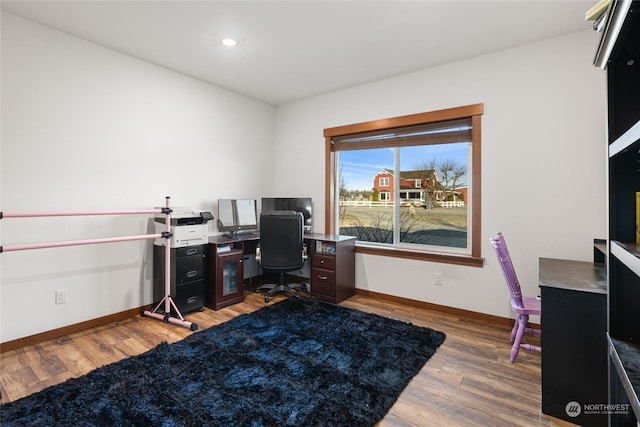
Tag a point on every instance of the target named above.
point(489, 318)
point(70, 329)
point(128, 314)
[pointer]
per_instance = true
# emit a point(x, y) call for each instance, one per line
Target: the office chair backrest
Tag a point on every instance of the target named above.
point(281, 240)
point(510, 276)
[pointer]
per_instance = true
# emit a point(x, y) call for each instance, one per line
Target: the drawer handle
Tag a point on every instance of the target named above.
point(192, 273)
point(323, 277)
point(192, 251)
point(321, 261)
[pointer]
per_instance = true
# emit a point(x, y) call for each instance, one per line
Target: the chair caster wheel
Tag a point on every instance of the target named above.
point(266, 299)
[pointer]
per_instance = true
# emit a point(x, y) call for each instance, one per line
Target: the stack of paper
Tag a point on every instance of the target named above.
point(598, 14)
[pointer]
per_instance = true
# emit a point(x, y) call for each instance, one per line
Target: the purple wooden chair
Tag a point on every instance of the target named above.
point(523, 306)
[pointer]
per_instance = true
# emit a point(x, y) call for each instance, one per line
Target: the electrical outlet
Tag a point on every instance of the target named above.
point(61, 296)
point(437, 278)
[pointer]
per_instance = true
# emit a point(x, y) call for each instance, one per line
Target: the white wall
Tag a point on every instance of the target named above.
point(543, 162)
point(88, 128)
point(84, 127)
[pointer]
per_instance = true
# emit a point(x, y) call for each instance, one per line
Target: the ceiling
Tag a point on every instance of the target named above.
point(291, 50)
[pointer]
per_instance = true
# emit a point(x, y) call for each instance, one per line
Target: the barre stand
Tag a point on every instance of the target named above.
point(167, 301)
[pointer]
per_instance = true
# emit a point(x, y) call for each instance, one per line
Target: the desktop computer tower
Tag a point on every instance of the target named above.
point(188, 269)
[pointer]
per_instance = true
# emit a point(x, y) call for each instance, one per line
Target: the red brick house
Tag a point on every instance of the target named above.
point(415, 186)
point(461, 193)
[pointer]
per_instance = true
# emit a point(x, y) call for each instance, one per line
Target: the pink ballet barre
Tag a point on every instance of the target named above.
point(76, 242)
point(166, 303)
point(78, 213)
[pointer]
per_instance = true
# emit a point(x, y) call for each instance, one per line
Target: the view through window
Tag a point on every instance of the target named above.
point(409, 184)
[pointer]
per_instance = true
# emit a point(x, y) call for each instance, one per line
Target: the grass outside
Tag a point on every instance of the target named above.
point(439, 227)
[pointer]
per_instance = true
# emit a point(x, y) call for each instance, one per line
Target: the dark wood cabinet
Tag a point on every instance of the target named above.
point(619, 54)
point(332, 266)
point(225, 274)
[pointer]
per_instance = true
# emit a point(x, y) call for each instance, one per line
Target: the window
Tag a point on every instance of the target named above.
point(428, 204)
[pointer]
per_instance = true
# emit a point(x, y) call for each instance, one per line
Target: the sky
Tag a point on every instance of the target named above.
point(358, 167)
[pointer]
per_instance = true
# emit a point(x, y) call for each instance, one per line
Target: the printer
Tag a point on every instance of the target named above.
point(188, 227)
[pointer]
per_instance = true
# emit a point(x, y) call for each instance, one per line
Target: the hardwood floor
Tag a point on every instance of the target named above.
point(468, 382)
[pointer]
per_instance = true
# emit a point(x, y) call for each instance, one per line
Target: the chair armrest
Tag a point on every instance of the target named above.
point(304, 251)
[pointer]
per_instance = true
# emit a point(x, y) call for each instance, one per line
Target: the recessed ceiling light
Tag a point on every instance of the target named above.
point(229, 42)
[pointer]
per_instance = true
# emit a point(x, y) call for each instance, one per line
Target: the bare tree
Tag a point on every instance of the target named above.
point(448, 173)
point(342, 186)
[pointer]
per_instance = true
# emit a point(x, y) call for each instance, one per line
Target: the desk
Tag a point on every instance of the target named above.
point(574, 344)
point(331, 260)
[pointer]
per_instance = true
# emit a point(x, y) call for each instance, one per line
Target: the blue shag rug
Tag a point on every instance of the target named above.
point(299, 362)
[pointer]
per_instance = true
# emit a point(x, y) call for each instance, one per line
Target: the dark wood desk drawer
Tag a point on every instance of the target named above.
point(323, 282)
point(323, 261)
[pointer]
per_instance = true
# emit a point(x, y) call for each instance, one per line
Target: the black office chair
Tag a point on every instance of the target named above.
point(281, 250)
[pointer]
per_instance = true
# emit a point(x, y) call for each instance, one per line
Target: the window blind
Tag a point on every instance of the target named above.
point(450, 131)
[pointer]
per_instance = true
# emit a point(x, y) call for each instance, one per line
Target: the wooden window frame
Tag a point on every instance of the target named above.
point(474, 112)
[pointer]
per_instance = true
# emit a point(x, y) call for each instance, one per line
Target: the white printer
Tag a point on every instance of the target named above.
point(188, 227)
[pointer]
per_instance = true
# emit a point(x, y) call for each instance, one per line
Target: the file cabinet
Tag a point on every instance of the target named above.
point(188, 270)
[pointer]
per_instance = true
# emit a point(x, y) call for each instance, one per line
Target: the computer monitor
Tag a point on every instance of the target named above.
point(298, 204)
point(236, 215)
